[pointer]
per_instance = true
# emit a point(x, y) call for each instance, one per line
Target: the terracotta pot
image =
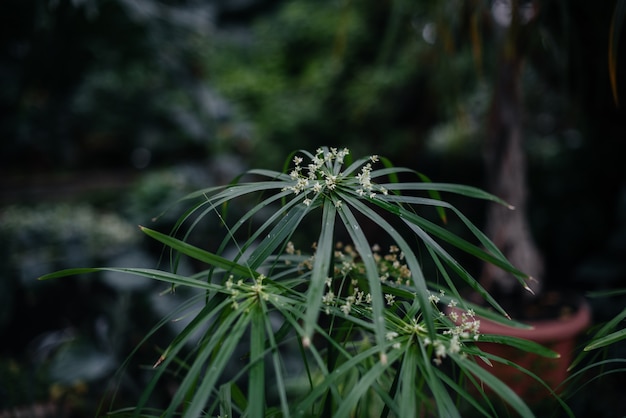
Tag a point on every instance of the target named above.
point(559, 335)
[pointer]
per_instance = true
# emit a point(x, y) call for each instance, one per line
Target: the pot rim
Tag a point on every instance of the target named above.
point(544, 330)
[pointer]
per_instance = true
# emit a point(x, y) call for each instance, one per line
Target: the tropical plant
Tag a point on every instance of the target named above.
point(348, 330)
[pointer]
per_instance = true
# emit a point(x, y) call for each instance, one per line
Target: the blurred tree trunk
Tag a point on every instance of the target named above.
point(505, 163)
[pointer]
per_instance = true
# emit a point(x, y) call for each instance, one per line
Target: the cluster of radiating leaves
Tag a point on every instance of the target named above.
point(362, 327)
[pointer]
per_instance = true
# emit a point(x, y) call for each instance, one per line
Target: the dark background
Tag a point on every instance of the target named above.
point(111, 109)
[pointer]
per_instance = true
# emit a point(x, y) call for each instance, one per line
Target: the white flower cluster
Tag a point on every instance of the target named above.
point(319, 175)
point(391, 266)
point(245, 290)
point(347, 264)
point(451, 339)
point(466, 327)
point(364, 177)
point(357, 298)
point(323, 174)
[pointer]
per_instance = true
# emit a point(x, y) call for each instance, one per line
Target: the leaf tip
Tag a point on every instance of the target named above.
point(528, 289)
point(158, 362)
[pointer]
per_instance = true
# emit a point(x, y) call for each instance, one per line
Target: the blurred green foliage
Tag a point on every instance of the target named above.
point(88, 83)
point(354, 74)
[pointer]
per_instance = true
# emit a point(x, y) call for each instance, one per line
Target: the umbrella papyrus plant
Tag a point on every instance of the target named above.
point(348, 329)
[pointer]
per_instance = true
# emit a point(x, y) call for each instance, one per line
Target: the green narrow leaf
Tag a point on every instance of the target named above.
point(256, 377)
point(390, 171)
point(70, 272)
point(434, 193)
point(599, 335)
point(606, 293)
point(226, 400)
point(417, 276)
point(169, 356)
point(354, 166)
point(217, 195)
point(504, 395)
point(290, 218)
point(459, 189)
point(499, 387)
point(148, 273)
point(411, 218)
point(460, 390)
point(363, 247)
point(241, 222)
point(482, 238)
point(612, 324)
point(407, 400)
point(456, 266)
point(281, 387)
point(521, 343)
point(221, 198)
point(320, 271)
point(224, 199)
point(295, 316)
point(238, 396)
point(463, 245)
point(358, 391)
point(199, 254)
point(274, 175)
point(606, 340)
point(222, 343)
point(446, 408)
point(573, 381)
